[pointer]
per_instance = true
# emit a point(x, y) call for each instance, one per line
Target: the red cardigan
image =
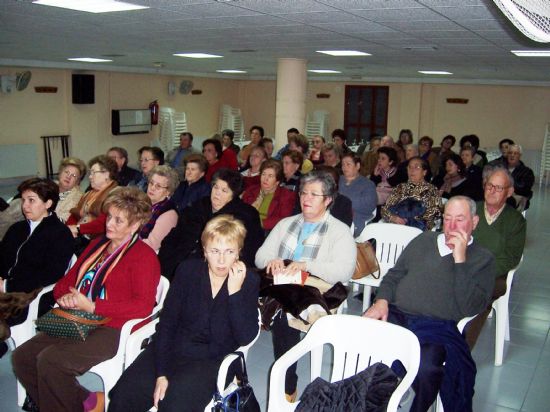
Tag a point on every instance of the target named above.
point(132, 285)
point(281, 205)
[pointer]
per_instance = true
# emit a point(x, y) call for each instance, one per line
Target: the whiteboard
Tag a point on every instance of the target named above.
point(17, 160)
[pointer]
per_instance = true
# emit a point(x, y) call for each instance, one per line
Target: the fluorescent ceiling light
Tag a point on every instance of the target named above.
point(91, 6)
point(344, 53)
point(433, 72)
point(532, 53)
point(197, 55)
point(324, 71)
point(89, 60)
point(231, 71)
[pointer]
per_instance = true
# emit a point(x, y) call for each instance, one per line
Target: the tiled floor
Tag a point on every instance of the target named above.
point(520, 384)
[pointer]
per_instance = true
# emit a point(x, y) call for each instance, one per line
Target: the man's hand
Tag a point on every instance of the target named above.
point(378, 311)
point(160, 390)
point(235, 280)
point(458, 241)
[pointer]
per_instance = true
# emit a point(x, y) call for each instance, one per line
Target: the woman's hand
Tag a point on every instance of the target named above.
point(294, 267)
point(236, 276)
point(76, 300)
point(397, 220)
point(275, 266)
point(73, 230)
point(160, 390)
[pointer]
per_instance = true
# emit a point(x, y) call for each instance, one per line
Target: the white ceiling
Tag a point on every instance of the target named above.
point(470, 38)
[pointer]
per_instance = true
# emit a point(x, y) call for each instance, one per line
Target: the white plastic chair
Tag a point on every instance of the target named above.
point(391, 239)
point(357, 343)
point(110, 370)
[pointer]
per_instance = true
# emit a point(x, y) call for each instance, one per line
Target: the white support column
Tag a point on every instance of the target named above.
point(290, 109)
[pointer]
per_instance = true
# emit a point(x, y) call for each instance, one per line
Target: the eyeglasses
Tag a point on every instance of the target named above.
point(497, 188)
point(304, 194)
point(72, 175)
point(224, 253)
point(93, 172)
point(414, 167)
point(145, 160)
point(156, 186)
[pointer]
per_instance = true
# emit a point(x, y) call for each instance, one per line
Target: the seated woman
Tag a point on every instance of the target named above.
point(115, 277)
point(210, 310)
point(71, 170)
point(315, 242)
point(194, 187)
point(456, 182)
point(384, 171)
point(163, 180)
point(341, 207)
point(272, 201)
point(292, 163)
point(360, 190)
point(251, 176)
point(87, 219)
point(149, 157)
point(184, 239)
point(35, 252)
point(415, 203)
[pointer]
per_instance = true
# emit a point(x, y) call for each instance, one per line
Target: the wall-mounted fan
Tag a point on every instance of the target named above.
point(18, 82)
point(22, 80)
point(186, 86)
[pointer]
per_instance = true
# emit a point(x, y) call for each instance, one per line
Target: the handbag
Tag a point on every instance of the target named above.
point(69, 323)
point(366, 263)
point(237, 397)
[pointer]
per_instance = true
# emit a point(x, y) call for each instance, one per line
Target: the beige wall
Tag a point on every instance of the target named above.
point(493, 112)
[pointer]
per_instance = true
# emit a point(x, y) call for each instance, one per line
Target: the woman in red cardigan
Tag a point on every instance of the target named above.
point(115, 277)
point(272, 201)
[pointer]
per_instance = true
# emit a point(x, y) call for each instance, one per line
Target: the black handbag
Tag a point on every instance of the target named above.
point(237, 397)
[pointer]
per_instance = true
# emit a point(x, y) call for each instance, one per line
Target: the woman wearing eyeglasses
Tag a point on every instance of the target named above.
point(416, 202)
point(87, 219)
point(314, 241)
point(163, 180)
point(210, 310)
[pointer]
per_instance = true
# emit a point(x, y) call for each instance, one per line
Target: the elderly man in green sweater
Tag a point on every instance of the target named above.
point(501, 229)
point(438, 280)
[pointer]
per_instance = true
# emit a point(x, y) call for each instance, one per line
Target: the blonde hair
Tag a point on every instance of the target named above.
point(73, 161)
point(225, 227)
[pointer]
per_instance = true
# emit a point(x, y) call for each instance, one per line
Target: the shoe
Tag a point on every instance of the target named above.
point(29, 405)
point(292, 397)
point(95, 402)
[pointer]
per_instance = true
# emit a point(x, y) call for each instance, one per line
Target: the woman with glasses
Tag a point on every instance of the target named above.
point(210, 310)
point(416, 202)
point(184, 240)
point(163, 180)
point(313, 241)
point(149, 157)
point(87, 220)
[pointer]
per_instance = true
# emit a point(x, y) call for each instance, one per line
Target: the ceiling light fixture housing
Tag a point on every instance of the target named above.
point(324, 71)
point(340, 53)
point(231, 71)
point(91, 6)
point(198, 55)
point(437, 72)
point(89, 60)
point(531, 53)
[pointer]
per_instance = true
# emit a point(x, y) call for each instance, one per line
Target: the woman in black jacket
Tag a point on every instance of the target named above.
point(35, 252)
point(184, 240)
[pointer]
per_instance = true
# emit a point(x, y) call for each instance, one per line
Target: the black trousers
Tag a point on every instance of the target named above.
point(191, 384)
point(284, 337)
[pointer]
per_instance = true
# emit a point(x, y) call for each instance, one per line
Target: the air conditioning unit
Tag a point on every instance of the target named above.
point(130, 121)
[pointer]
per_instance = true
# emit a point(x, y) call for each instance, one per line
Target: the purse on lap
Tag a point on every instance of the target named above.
point(69, 323)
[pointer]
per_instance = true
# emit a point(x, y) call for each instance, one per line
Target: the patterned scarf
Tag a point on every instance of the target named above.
point(102, 273)
point(311, 244)
point(158, 209)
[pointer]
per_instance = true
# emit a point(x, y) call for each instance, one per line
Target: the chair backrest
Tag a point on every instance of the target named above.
point(391, 239)
point(359, 342)
point(162, 291)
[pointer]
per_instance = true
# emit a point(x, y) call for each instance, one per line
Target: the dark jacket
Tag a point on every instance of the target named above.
point(281, 205)
point(187, 194)
point(185, 238)
point(127, 175)
point(38, 260)
point(524, 178)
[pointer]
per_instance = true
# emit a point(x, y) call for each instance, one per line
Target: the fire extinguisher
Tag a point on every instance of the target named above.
point(154, 108)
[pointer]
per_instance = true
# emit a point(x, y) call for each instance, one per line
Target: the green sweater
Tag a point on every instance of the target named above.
point(424, 283)
point(505, 238)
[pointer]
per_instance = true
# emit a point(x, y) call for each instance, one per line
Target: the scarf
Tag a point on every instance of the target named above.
point(108, 264)
point(311, 244)
point(158, 209)
point(449, 182)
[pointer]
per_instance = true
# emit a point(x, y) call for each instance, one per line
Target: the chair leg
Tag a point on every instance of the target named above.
point(499, 337)
point(367, 290)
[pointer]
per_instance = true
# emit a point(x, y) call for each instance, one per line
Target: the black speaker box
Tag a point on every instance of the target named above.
point(83, 89)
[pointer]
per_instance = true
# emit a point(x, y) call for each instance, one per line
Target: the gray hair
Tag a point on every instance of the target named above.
point(489, 171)
point(332, 146)
point(412, 146)
point(169, 173)
point(471, 203)
point(517, 147)
point(326, 180)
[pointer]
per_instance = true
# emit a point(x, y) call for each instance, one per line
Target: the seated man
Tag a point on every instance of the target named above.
point(501, 229)
point(524, 178)
point(438, 280)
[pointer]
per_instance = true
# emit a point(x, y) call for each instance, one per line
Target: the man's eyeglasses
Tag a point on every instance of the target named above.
point(497, 188)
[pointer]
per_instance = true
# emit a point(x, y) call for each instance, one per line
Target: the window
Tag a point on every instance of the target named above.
point(366, 112)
